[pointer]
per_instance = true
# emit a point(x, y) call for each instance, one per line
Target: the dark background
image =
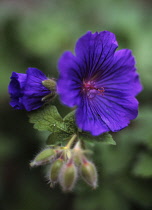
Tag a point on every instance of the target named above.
point(34, 34)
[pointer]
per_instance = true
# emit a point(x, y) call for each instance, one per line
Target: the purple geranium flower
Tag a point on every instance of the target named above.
point(101, 82)
point(27, 91)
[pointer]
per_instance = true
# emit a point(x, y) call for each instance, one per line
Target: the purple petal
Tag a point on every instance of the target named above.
point(15, 89)
point(117, 109)
point(34, 85)
point(32, 103)
point(121, 75)
point(36, 74)
point(103, 114)
point(17, 83)
point(16, 103)
point(88, 119)
point(69, 82)
point(34, 91)
point(96, 51)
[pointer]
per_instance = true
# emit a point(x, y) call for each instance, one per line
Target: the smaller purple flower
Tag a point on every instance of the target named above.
point(29, 91)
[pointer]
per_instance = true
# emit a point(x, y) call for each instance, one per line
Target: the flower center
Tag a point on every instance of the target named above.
point(90, 89)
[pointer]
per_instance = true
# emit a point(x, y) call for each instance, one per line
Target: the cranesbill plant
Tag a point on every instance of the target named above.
point(100, 84)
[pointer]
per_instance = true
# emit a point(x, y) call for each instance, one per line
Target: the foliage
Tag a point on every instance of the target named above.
point(48, 119)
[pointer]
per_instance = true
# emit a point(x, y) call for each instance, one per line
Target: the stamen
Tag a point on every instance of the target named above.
point(90, 85)
point(101, 90)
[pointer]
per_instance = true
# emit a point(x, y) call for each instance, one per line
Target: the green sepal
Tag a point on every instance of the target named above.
point(49, 84)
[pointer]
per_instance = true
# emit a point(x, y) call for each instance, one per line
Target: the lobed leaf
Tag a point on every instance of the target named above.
point(49, 119)
point(69, 121)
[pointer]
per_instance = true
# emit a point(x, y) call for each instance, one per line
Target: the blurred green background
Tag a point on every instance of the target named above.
point(34, 33)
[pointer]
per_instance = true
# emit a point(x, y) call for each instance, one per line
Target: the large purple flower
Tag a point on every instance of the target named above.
point(27, 90)
point(101, 82)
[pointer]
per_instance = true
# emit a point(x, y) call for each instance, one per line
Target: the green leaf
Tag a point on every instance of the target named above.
point(47, 119)
point(105, 138)
point(143, 166)
point(69, 121)
point(58, 138)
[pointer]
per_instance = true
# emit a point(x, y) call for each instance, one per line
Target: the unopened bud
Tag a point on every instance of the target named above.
point(55, 169)
point(68, 176)
point(49, 84)
point(77, 153)
point(89, 173)
point(43, 157)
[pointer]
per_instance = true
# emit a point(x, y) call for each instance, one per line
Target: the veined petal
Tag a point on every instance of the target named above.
point(36, 74)
point(34, 85)
point(117, 109)
point(69, 82)
point(88, 118)
point(32, 103)
point(121, 75)
point(34, 90)
point(96, 51)
point(103, 114)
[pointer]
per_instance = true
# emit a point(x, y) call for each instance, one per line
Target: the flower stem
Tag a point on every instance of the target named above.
point(71, 142)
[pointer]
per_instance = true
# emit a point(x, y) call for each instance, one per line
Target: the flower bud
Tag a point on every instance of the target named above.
point(49, 84)
point(43, 157)
point(55, 169)
point(89, 173)
point(68, 176)
point(78, 153)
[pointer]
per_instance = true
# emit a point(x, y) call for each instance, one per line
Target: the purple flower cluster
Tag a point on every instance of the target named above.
point(27, 90)
point(101, 82)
